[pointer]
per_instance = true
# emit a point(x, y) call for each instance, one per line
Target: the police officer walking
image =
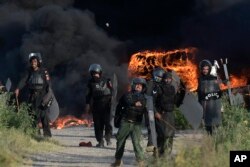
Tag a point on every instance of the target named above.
point(165, 123)
point(38, 82)
point(99, 92)
point(209, 95)
point(132, 107)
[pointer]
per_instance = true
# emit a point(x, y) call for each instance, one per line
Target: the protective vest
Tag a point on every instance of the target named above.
point(167, 100)
point(36, 80)
point(132, 112)
point(100, 89)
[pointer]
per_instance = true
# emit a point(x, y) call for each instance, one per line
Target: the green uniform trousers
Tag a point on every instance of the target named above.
point(129, 129)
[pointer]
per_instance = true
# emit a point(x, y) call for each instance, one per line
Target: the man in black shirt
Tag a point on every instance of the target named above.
point(99, 90)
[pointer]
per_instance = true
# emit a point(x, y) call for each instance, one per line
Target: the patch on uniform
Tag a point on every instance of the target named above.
point(47, 75)
point(110, 84)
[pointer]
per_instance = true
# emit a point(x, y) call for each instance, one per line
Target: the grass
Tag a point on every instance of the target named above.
point(17, 137)
point(213, 151)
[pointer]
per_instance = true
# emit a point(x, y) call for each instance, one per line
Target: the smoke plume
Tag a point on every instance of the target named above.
point(220, 29)
point(69, 41)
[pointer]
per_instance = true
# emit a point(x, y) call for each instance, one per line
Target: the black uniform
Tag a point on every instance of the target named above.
point(100, 92)
point(209, 95)
point(38, 85)
point(164, 100)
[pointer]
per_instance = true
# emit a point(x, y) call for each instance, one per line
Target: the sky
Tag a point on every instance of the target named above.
point(72, 34)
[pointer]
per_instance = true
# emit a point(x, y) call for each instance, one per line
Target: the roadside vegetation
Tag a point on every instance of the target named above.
point(17, 137)
point(213, 151)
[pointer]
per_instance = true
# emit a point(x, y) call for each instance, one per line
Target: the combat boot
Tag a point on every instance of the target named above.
point(107, 138)
point(117, 163)
point(100, 144)
point(109, 143)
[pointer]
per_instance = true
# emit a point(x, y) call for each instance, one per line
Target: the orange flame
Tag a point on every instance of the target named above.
point(70, 120)
point(181, 61)
point(236, 82)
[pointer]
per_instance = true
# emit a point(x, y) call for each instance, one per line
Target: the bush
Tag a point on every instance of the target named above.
point(214, 150)
point(16, 134)
point(180, 121)
point(10, 117)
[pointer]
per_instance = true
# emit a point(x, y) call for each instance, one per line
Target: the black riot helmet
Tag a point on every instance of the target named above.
point(167, 75)
point(36, 55)
point(136, 81)
point(95, 68)
point(204, 63)
point(158, 74)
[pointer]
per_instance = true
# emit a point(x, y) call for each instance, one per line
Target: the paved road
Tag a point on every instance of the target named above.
point(73, 155)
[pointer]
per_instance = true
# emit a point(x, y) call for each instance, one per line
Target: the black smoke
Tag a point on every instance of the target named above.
point(69, 41)
point(220, 29)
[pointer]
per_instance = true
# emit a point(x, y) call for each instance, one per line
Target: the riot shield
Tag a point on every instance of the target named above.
point(114, 93)
point(151, 117)
point(8, 85)
point(192, 110)
point(53, 110)
point(113, 99)
point(176, 80)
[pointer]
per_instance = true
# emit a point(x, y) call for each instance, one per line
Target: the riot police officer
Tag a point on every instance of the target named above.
point(38, 82)
point(99, 92)
point(153, 86)
point(209, 95)
point(131, 107)
point(164, 104)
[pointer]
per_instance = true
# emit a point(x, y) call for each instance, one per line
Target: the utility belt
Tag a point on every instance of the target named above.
point(133, 117)
point(36, 87)
point(131, 121)
point(212, 96)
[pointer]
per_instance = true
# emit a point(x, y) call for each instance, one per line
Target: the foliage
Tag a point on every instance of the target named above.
point(180, 121)
point(13, 117)
point(17, 135)
point(214, 150)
